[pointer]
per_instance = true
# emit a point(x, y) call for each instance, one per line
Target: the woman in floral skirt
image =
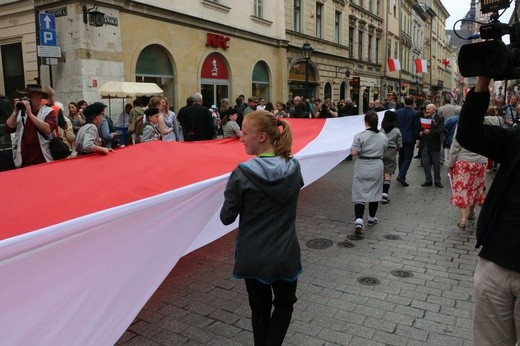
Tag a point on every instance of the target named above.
point(468, 172)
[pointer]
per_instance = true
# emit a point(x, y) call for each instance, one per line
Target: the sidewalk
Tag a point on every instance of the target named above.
point(408, 282)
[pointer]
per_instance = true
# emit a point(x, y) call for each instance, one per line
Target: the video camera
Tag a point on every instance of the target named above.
point(493, 58)
point(20, 106)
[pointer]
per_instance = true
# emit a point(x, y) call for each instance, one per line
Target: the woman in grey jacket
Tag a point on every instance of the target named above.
point(264, 192)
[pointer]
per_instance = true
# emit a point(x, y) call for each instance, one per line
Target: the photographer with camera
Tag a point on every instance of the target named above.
point(497, 276)
point(32, 124)
point(325, 112)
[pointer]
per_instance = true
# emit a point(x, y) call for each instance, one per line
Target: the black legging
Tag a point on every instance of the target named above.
point(359, 209)
point(270, 329)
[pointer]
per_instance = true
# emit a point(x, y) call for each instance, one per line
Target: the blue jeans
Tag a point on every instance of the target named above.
point(405, 159)
point(270, 329)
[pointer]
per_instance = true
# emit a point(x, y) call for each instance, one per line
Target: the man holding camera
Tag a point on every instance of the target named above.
point(497, 276)
point(32, 124)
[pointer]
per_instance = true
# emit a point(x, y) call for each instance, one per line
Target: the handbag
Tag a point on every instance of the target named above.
point(59, 150)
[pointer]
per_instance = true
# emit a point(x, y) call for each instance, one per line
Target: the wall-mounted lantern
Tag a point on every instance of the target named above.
point(93, 17)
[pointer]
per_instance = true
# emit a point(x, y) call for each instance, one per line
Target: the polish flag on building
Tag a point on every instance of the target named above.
point(426, 123)
point(394, 65)
point(421, 65)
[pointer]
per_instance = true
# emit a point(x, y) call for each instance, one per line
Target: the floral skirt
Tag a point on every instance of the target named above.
point(468, 184)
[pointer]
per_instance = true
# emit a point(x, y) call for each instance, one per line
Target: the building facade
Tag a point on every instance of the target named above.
point(224, 48)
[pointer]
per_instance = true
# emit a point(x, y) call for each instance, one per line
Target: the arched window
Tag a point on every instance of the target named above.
point(215, 80)
point(154, 66)
point(260, 85)
point(328, 91)
point(343, 91)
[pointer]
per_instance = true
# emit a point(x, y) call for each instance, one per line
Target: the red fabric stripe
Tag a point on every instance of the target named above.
point(391, 65)
point(47, 194)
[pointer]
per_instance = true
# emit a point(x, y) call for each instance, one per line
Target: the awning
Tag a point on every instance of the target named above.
point(129, 90)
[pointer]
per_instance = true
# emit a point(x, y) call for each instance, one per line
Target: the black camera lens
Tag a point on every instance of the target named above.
point(20, 106)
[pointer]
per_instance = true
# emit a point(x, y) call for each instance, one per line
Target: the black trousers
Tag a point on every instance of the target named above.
point(270, 329)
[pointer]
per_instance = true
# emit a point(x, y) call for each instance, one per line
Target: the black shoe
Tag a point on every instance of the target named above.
point(427, 183)
point(438, 185)
point(402, 181)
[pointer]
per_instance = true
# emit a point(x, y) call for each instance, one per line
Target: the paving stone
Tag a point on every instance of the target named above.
point(200, 304)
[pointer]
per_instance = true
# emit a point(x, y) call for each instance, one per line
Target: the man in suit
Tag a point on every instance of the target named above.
point(197, 123)
point(408, 123)
point(432, 126)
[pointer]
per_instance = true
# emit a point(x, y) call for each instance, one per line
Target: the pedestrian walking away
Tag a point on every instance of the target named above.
point(367, 184)
point(264, 192)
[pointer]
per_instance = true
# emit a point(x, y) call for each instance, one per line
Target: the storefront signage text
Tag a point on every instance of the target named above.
point(217, 41)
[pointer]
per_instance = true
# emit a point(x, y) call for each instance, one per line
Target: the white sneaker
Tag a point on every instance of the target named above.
point(373, 222)
point(359, 226)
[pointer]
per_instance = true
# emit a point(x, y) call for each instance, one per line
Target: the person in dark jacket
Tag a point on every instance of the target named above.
point(497, 276)
point(432, 126)
point(408, 123)
point(264, 192)
point(197, 121)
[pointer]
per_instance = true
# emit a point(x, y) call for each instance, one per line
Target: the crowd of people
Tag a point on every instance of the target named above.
point(264, 190)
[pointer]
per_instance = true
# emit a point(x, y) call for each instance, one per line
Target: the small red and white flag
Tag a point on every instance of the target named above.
point(421, 65)
point(453, 93)
point(426, 123)
point(394, 65)
point(446, 62)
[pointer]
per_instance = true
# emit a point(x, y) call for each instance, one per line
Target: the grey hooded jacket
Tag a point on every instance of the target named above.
point(264, 192)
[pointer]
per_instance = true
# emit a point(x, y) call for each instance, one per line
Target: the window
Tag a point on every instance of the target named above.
point(13, 69)
point(360, 45)
point(258, 8)
point(260, 85)
point(319, 10)
point(351, 42)
point(378, 46)
point(388, 48)
point(297, 16)
point(337, 22)
point(396, 50)
point(370, 39)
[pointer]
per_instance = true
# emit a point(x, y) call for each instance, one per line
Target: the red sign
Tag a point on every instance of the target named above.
point(217, 41)
point(214, 67)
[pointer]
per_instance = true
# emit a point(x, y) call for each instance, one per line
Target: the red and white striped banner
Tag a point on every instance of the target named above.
point(87, 241)
point(421, 65)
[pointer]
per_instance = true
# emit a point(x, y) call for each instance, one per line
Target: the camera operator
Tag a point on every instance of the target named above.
point(32, 124)
point(497, 276)
point(325, 112)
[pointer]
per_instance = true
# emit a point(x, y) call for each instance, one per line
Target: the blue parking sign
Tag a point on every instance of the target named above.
point(48, 38)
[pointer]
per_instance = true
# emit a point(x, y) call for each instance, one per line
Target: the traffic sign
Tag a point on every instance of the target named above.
point(49, 51)
point(47, 21)
point(48, 37)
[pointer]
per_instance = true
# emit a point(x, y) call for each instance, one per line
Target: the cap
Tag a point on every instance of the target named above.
point(151, 111)
point(94, 109)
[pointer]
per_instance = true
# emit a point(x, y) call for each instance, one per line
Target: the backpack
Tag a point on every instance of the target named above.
point(138, 128)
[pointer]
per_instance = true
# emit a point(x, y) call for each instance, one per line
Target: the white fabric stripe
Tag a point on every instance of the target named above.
point(84, 280)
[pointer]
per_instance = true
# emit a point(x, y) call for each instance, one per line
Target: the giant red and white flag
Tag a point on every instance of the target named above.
point(85, 242)
point(394, 65)
point(421, 65)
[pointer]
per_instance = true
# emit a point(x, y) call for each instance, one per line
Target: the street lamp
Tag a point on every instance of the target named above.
point(307, 52)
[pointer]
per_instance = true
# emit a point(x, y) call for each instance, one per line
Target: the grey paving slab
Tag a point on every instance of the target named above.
point(199, 303)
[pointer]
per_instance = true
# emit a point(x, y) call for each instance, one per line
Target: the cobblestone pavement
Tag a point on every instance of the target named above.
point(408, 282)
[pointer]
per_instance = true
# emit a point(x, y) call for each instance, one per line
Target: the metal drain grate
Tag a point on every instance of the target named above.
point(355, 237)
point(347, 244)
point(368, 280)
point(402, 273)
point(319, 243)
point(392, 237)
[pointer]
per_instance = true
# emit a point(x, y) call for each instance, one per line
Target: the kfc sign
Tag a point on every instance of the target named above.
point(215, 40)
